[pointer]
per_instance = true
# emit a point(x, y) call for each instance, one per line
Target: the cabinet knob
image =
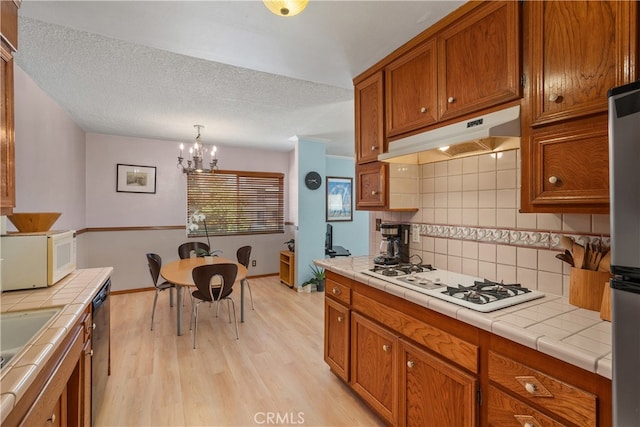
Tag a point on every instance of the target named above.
point(374, 192)
point(386, 348)
point(451, 100)
point(553, 179)
point(340, 319)
point(410, 364)
point(335, 291)
point(90, 353)
point(553, 97)
point(527, 424)
point(374, 147)
point(423, 110)
point(52, 419)
point(93, 326)
point(531, 387)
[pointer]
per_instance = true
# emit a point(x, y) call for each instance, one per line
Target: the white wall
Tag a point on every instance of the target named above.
point(49, 156)
point(108, 208)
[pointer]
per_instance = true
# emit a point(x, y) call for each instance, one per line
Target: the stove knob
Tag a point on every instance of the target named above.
point(436, 280)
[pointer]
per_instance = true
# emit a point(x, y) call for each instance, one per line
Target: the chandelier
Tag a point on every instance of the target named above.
point(286, 7)
point(197, 153)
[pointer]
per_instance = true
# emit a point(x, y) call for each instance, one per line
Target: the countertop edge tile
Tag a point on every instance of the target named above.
point(569, 353)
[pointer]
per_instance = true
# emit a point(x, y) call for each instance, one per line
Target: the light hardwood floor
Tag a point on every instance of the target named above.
point(273, 375)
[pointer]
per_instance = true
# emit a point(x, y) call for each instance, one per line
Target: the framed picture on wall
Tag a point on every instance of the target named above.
point(339, 200)
point(135, 179)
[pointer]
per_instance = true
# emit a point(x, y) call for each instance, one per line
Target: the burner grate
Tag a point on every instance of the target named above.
point(486, 291)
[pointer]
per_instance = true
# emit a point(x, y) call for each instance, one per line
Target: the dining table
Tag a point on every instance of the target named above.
point(179, 273)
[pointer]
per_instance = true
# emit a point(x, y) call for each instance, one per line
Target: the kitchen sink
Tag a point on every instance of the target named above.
point(17, 328)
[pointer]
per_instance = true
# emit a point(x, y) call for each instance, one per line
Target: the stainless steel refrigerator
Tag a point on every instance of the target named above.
point(624, 173)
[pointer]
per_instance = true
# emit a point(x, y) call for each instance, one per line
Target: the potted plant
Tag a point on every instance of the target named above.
point(317, 279)
point(291, 245)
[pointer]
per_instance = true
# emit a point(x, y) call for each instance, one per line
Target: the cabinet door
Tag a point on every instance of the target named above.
point(336, 337)
point(479, 60)
point(374, 366)
point(7, 165)
point(578, 51)
point(369, 126)
point(569, 166)
point(434, 392)
point(411, 90)
point(372, 185)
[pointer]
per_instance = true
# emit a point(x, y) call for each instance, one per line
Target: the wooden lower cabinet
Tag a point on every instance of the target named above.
point(416, 367)
point(434, 392)
point(336, 337)
point(61, 394)
point(374, 366)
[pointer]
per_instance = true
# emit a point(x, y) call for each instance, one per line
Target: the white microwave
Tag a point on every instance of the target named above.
point(36, 260)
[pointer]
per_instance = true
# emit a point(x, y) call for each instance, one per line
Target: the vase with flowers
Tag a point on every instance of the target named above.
point(192, 226)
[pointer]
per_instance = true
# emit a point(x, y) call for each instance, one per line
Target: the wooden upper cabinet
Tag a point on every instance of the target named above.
point(578, 50)
point(372, 184)
point(411, 90)
point(369, 126)
point(479, 60)
point(8, 44)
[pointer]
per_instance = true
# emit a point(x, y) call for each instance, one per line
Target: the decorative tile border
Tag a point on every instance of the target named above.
point(516, 237)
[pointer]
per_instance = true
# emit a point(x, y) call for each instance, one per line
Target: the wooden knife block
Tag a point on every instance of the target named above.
point(586, 288)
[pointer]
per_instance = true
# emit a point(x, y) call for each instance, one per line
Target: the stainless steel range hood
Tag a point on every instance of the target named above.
point(492, 132)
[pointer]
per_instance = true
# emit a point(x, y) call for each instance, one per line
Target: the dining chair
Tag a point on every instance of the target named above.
point(243, 255)
point(155, 264)
point(206, 292)
point(184, 250)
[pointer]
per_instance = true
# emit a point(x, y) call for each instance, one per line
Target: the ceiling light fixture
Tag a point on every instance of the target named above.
point(286, 7)
point(197, 153)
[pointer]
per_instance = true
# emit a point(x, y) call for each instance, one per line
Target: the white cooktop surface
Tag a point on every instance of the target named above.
point(434, 283)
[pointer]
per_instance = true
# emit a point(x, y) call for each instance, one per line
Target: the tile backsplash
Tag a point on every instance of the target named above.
point(468, 222)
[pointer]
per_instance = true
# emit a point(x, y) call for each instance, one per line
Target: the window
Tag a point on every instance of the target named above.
point(235, 202)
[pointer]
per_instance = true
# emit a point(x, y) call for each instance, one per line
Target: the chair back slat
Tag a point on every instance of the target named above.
point(184, 250)
point(155, 263)
point(203, 274)
point(243, 255)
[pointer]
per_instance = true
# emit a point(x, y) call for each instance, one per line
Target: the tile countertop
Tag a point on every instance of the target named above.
point(549, 324)
point(72, 294)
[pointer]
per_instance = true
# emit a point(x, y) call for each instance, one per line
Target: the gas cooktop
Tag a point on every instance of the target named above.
point(472, 292)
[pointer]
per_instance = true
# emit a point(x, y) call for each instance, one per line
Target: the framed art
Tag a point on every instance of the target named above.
point(135, 179)
point(339, 200)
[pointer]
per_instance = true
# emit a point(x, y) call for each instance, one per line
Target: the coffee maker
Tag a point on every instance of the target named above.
point(394, 248)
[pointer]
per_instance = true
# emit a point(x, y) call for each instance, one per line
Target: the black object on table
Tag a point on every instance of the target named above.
point(337, 251)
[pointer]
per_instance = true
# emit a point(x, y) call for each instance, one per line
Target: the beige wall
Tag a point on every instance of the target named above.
point(469, 223)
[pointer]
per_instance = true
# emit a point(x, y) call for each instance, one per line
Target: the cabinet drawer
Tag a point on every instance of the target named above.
point(533, 386)
point(504, 411)
point(338, 291)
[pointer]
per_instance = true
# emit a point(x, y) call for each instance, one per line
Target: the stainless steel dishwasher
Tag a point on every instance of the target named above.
point(100, 367)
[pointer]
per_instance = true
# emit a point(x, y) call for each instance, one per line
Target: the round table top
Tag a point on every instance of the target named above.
point(179, 272)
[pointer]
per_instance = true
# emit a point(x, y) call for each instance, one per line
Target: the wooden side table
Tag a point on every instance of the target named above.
point(287, 268)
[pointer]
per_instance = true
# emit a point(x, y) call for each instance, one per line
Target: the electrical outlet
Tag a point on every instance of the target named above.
point(253, 263)
point(415, 233)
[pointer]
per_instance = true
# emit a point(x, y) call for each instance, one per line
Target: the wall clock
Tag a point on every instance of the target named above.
point(313, 180)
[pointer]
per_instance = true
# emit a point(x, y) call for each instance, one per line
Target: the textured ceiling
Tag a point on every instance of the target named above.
point(154, 69)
